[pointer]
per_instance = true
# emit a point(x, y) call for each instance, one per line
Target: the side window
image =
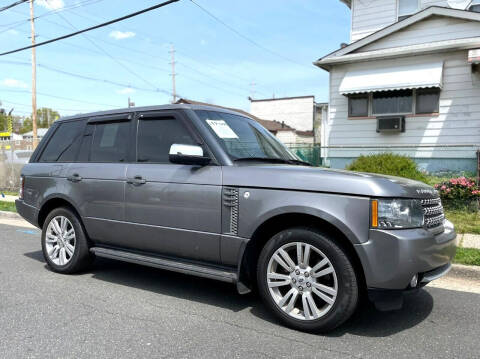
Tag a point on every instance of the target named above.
point(64, 143)
point(156, 135)
point(110, 142)
point(358, 105)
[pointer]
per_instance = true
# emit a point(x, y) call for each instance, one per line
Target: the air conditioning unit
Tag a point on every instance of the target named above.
point(391, 124)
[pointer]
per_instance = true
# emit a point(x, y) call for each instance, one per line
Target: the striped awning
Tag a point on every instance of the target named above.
point(422, 75)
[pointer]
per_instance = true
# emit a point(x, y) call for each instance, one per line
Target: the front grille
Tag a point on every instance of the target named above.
point(433, 212)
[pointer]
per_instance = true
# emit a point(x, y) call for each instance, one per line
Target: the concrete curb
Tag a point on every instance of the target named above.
point(11, 215)
point(465, 272)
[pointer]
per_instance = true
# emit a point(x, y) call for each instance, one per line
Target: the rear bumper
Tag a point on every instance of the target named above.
point(29, 213)
point(391, 258)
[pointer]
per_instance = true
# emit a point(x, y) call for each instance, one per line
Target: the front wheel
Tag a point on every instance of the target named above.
point(307, 280)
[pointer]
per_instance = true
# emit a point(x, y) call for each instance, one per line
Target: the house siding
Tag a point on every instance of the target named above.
point(458, 121)
point(435, 28)
point(369, 16)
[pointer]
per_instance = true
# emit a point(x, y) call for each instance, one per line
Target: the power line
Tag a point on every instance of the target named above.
point(12, 5)
point(183, 53)
point(247, 38)
point(114, 59)
point(92, 27)
point(83, 77)
point(63, 98)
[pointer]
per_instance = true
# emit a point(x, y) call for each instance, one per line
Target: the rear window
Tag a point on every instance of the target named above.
point(110, 142)
point(64, 143)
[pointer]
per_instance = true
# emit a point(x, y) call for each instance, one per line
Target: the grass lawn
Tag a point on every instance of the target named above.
point(467, 256)
point(9, 193)
point(464, 221)
point(7, 206)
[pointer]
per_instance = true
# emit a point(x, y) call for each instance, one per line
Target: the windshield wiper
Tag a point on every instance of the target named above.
point(274, 160)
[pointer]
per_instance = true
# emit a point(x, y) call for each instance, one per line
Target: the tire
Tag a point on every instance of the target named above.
point(334, 278)
point(63, 259)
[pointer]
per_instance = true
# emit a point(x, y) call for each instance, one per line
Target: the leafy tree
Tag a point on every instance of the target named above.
point(45, 118)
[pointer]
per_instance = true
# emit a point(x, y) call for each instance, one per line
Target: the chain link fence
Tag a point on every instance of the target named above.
point(13, 155)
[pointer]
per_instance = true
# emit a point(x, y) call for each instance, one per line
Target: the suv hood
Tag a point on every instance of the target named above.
point(303, 178)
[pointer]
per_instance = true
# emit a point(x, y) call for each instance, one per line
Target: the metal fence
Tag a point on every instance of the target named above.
point(433, 159)
point(13, 155)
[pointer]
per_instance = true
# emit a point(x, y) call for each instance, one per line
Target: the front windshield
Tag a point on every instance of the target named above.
point(243, 138)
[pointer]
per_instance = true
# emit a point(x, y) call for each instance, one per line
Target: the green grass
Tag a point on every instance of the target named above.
point(464, 221)
point(467, 256)
point(7, 206)
point(9, 193)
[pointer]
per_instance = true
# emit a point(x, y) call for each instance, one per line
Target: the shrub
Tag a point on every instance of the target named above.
point(459, 192)
point(388, 164)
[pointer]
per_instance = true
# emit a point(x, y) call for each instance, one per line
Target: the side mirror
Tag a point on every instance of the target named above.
point(187, 155)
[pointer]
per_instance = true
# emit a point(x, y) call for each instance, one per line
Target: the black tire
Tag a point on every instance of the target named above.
point(81, 258)
point(348, 285)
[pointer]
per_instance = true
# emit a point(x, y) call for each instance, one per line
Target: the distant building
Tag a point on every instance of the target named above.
point(300, 113)
point(41, 132)
point(281, 130)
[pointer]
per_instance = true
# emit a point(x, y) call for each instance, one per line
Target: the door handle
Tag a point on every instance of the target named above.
point(137, 180)
point(74, 178)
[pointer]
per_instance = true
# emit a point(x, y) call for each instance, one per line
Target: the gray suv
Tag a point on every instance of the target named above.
point(207, 191)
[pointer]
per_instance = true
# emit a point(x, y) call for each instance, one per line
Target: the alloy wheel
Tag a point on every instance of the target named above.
point(302, 281)
point(60, 240)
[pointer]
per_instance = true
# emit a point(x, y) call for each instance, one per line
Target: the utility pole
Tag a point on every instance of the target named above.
point(34, 78)
point(252, 89)
point(174, 93)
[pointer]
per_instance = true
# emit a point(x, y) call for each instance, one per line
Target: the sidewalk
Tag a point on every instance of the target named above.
point(469, 240)
point(7, 198)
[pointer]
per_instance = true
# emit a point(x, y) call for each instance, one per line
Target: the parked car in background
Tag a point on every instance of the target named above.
point(16, 156)
point(209, 192)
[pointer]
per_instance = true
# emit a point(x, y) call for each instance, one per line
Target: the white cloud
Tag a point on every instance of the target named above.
point(13, 83)
point(51, 4)
point(120, 35)
point(203, 42)
point(125, 91)
point(12, 32)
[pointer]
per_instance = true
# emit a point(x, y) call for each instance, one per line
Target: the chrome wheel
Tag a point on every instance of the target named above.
point(60, 240)
point(302, 281)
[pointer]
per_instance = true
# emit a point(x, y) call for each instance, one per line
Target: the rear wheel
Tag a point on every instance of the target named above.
point(306, 280)
point(64, 243)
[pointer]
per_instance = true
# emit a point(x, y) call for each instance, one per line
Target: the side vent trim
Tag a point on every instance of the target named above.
point(231, 201)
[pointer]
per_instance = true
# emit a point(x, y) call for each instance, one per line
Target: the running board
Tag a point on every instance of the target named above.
point(223, 275)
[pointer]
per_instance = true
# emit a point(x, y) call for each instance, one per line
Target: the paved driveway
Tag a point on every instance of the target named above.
point(124, 310)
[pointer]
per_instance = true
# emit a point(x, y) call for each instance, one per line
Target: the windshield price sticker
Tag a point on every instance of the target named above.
point(222, 129)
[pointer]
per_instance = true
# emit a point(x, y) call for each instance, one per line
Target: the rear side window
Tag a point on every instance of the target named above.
point(110, 142)
point(64, 143)
point(156, 135)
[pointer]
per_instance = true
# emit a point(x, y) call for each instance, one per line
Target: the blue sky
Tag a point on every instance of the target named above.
point(213, 63)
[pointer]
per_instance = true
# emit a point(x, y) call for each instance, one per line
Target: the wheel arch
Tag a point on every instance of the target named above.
point(53, 202)
point(268, 228)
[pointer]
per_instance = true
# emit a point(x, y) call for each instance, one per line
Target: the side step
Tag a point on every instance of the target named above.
point(223, 275)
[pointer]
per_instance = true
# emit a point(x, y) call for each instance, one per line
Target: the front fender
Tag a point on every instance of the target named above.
point(349, 214)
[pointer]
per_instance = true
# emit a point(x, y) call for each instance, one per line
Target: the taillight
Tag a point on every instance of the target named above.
point(22, 187)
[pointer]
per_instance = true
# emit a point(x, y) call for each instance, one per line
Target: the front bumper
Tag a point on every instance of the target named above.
point(391, 258)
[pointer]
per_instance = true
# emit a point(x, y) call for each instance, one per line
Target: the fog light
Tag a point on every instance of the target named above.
point(414, 281)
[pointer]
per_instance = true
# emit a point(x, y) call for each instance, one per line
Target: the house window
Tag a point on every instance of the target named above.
point(407, 8)
point(398, 102)
point(392, 102)
point(475, 6)
point(358, 105)
point(427, 100)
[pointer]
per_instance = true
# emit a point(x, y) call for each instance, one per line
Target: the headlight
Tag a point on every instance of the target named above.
point(397, 213)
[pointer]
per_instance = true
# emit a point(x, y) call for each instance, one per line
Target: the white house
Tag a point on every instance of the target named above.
point(408, 82)
point(301, 115)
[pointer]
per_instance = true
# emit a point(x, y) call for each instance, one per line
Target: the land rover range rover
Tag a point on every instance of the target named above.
point(209, 192)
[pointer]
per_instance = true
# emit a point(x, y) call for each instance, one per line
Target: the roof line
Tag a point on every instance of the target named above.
point(421, 15)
